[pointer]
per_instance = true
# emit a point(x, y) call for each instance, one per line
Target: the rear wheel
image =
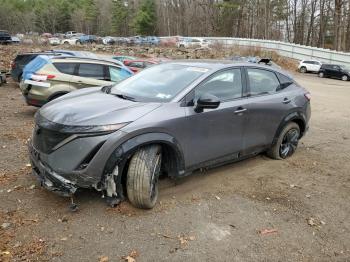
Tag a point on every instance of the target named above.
point(345, 78)
point(321, 74)
point(303, 70)
point(287, 142)
point(142, 177)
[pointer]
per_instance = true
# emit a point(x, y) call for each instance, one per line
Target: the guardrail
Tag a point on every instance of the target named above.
point(295, 51)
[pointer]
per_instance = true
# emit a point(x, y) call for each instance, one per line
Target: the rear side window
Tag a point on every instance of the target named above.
point(65, 68)
point(95, 71)
point(224, 85)
point(262, 81)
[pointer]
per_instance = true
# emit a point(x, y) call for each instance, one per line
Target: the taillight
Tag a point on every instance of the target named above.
point(42, 77)
point(308, 96)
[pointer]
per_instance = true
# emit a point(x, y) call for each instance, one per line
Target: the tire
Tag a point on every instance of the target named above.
point(303, 70)
point(142, 177)
point(287, 142)
point(345, 78)
point(321, 74)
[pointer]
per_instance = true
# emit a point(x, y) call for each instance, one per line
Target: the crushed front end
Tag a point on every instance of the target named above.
point(61, 158)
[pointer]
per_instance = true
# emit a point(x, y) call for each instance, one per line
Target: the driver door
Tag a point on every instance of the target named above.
point(216, 134)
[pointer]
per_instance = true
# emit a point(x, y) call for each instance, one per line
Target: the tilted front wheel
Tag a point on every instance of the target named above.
point(142, 177)
point(344, 78)
point(287, 142)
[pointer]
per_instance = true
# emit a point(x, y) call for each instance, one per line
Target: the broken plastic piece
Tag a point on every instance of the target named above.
point(73, 206)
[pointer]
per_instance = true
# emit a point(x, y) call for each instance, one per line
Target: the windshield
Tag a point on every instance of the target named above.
point(160, 83)
point(345, 67)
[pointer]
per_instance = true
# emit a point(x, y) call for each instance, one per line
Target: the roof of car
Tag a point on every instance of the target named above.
point(214, 64)
point(86, 59)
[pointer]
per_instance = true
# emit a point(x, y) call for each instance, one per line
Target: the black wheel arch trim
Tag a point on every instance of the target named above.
point(296, 116)
point(57, 94)
point(123, 152)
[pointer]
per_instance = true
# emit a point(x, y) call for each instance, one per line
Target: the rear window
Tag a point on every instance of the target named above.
point(65, 68)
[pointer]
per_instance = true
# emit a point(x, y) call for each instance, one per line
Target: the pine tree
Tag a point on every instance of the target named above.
point(146, 19)
point(120, 18)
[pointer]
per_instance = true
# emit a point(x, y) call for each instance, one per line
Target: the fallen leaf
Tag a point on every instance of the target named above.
point(103, 259)
point(267, 231)
point(311, 222)
point(131, 257)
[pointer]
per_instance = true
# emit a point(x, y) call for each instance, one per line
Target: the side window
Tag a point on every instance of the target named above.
point(118, 74)
point(262, 81)
point(335, 67)
point(92, 71)
point(65, 68)
point(225, 85)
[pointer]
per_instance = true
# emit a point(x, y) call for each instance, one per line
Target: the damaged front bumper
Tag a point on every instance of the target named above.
point(48, 178)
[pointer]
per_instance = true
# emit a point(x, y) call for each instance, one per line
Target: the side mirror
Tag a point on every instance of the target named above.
point(206, 101)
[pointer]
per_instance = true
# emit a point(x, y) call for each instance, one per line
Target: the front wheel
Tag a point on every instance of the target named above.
point(345, 78)
point(287, 142)
point(303, 70)
point(321, 74)
point(142, 177)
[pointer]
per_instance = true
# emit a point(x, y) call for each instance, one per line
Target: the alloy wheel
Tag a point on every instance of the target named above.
point(289, 143)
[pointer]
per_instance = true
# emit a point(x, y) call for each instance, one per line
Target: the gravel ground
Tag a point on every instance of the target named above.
point(255, 210)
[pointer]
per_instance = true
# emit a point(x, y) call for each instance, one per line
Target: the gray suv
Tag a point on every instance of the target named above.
point(170, 119)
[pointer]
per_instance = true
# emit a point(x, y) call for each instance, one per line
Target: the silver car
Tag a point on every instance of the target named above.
point(170, 119)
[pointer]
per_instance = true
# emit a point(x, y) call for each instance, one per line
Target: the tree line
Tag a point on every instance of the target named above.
point(321, 23)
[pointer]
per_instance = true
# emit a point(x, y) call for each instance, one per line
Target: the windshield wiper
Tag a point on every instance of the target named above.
point(125, 97)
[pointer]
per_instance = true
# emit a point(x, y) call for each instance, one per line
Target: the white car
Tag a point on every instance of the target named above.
point(70, 41)
point(193, 42)
point(54, 41)
point(309, 66)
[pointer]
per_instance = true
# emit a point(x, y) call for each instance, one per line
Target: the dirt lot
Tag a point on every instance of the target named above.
point(219, 215)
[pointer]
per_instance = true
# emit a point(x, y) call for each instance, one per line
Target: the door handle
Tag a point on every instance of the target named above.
point(240, 110)
point(286, 100)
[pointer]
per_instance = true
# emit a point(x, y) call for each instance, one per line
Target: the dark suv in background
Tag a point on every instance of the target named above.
point(334, 71)
point(5, 38)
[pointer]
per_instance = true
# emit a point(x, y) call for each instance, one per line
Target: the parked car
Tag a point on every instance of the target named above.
point(334, 71)
point(54, 41)
point(5, 38)
point(70, 41)
point(140, 64)
point(193, 42)
point(170, 119)
point(70, 34)
point(312, 66)
point(108, 40)
point(47, 78)
point(122, 58)
point(15, 40)
point(151, 40)
point(22, 60)
point(87, 39)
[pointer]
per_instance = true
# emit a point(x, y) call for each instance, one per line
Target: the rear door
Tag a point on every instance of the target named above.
point(89, 75)
point(266, 108)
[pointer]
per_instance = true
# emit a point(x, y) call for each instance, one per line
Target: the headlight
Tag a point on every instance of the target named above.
point(94, 129)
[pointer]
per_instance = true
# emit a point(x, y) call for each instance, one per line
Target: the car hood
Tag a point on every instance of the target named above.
point(94, 107)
